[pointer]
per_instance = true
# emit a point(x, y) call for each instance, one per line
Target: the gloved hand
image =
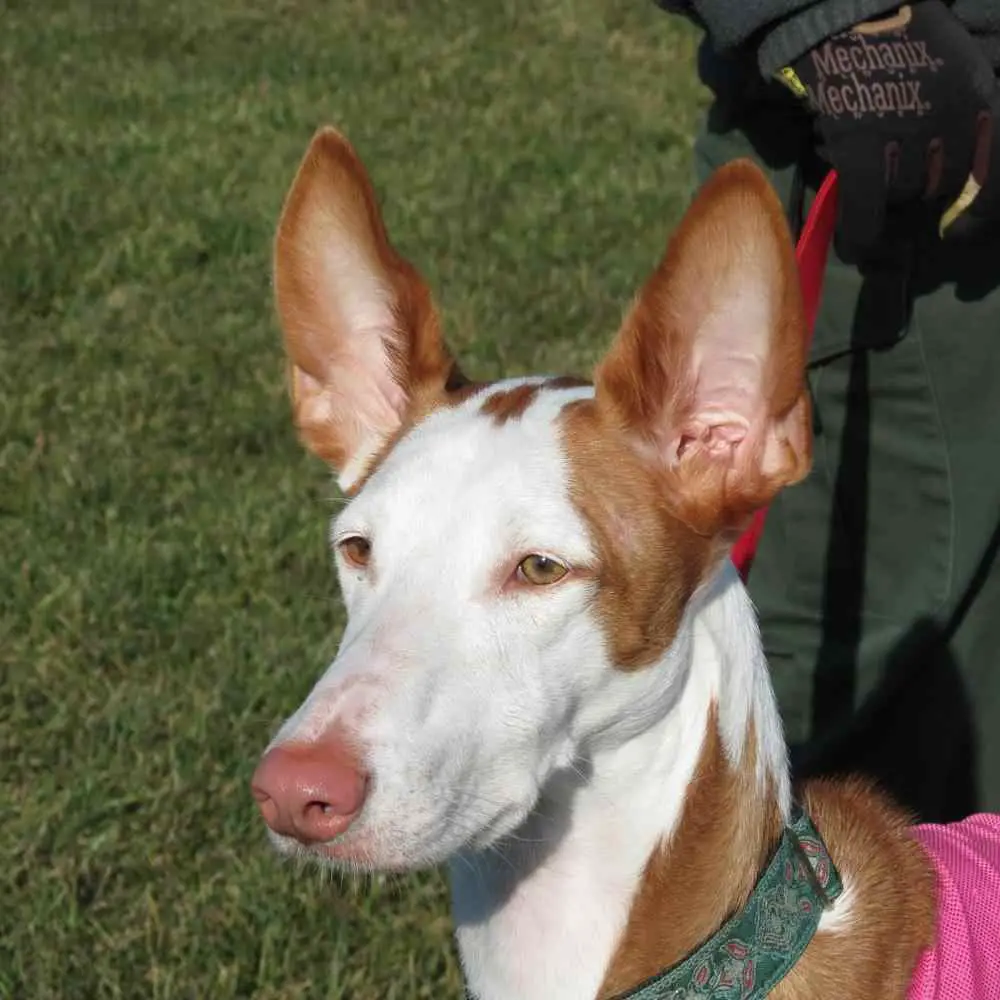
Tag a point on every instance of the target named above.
point(904, 112)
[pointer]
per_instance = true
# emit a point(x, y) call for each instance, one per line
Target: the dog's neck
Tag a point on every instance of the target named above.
point(580, 902)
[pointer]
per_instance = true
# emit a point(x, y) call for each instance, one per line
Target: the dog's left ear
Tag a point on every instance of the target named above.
point(707, 374)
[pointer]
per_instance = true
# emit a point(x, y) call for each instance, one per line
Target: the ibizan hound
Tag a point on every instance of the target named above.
point(551, 675)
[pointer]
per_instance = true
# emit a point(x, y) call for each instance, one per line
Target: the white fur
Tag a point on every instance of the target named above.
point(497, 731)
point(840, 917)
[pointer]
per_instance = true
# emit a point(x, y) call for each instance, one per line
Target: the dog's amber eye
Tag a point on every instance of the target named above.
point(541, 570)
point(356, 550)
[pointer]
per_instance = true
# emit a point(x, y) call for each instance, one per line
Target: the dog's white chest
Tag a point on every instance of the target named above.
point(552, 937)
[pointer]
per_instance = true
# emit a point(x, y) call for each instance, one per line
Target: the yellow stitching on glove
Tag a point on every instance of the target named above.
point(791, 80)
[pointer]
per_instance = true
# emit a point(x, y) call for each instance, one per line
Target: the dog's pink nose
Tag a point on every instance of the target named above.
point(310, 791)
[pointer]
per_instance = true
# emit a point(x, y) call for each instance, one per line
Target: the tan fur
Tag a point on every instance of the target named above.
point(645, 381)
point(660, 526)
point(893, 899)
point(333, 189)
point(332, 194)
point(726, 835)
point(502, 406)
point(707, 871)
point(649, 562)
point(510, 404)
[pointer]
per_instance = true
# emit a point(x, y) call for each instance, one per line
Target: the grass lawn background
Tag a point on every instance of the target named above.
point(166, 596)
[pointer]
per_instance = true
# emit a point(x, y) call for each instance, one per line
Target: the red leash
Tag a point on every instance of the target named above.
point(811, 253)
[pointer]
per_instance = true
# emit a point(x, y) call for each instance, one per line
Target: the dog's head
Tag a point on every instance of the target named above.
point(517, 559)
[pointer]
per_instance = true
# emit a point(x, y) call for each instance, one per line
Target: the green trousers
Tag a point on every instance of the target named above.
point(877, 578)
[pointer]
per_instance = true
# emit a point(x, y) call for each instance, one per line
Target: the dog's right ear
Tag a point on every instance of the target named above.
point(707, 375)
point(361, 331)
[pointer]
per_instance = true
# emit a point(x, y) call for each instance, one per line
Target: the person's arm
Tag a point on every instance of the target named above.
point(779, 30)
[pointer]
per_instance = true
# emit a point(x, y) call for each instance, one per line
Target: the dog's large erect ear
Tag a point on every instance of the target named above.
point(707, 374)
point(361, 332)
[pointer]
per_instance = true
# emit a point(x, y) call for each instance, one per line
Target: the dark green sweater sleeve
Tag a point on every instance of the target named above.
point(780, 30)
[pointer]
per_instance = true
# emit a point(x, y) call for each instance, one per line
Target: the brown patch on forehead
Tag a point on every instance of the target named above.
point(453, 390)
point(510, 404)
point(650, 563)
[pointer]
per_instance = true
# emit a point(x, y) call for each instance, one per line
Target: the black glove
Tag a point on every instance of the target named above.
point(903, 113)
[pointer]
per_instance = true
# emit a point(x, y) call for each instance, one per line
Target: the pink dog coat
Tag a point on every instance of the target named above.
point(964, 963)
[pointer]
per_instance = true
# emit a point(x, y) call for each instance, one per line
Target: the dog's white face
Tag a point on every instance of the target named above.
point(465, 685)
point(514, 555)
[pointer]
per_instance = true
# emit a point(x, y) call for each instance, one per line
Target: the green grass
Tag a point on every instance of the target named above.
point(166, 596)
